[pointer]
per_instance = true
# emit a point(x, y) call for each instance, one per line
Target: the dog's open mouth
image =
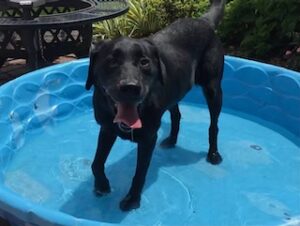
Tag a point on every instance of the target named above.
point(127, 114)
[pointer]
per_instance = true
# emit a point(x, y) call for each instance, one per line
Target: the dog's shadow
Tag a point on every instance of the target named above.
point(84, 204)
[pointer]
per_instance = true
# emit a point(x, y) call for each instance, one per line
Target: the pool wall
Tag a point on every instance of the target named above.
point(53, 94)
point(264, 91)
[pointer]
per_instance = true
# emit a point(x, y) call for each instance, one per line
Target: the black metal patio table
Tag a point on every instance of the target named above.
point(41, 30)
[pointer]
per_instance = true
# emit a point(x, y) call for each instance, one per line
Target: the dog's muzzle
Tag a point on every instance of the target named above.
point(130, 91)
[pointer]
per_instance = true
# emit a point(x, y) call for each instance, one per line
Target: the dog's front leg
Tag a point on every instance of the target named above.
point(145, 150)
point(106, 140)
point(171, 140)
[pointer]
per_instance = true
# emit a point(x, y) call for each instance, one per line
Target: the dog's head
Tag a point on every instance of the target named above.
point(125, 69)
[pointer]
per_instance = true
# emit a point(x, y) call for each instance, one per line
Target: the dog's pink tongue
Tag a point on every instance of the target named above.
point(128, 114)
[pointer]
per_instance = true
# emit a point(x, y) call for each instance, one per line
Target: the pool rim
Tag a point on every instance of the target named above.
point(35, 213)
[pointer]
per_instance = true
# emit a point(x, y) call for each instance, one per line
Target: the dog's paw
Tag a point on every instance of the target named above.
point(214, 158)
point(130, 203)
point(169, 142)
point(101, 188)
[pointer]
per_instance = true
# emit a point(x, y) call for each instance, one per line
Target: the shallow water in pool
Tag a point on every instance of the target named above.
point(258, 182)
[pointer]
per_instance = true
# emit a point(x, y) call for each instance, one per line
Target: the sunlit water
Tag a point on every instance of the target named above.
point(258, 182)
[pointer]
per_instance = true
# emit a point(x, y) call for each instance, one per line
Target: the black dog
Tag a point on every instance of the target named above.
point(136, 81)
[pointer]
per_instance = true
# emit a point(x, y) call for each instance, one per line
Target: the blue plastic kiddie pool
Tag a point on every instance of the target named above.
point(48, 139)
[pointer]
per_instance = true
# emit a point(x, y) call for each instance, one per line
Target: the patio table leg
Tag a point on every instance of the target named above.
point(29, 38)
point(87, 35)
point(2, 61)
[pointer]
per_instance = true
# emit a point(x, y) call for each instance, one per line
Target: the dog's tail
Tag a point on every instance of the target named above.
point(215, 12)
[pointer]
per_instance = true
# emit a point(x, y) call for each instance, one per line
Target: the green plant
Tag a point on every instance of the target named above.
point(148, 16)
point(138, 22)
point(143, 20)
point(110, 28)
point(171, 10)
point(260, 27)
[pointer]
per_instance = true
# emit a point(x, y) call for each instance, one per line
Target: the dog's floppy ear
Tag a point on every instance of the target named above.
point(94, 49)
point(161, 66)
point(162, 69)
point(90, 78)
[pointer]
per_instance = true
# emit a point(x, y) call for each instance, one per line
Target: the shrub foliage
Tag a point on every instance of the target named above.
point(148, 16)
point(261, 27)
point(256, 28)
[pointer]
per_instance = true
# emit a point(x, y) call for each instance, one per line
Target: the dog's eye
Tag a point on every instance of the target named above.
point(111, 61)
point(144, 62)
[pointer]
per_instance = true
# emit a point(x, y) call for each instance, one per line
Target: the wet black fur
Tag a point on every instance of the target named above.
point(184, 54)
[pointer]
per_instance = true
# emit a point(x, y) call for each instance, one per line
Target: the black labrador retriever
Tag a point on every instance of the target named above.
point(137, 80)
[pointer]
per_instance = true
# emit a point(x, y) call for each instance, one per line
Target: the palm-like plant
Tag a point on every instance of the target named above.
point(138, 22)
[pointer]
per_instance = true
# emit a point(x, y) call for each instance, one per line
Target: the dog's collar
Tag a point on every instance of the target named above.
point(126, 129)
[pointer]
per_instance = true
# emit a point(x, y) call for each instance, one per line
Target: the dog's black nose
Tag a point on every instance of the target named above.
point(130, 90)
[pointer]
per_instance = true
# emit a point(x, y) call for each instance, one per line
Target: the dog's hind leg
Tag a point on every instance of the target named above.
point(209, 76)
point(171, 140)
point(213, 95)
